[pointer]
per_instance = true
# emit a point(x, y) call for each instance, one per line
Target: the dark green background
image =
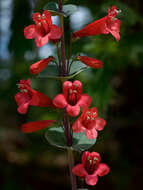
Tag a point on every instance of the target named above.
point(28, 162)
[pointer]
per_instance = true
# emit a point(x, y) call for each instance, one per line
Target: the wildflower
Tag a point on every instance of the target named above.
point(72, 98)
point(28, 96)
point(89, 122)
point(105, 25)
point(91, 168)
point(43, 30)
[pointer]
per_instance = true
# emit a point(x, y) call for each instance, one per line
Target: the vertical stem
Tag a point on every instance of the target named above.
point(65, 117)
point(69, 54)
point(67, 129)
point(63, 55)
point(59, 59)
point(71, 164)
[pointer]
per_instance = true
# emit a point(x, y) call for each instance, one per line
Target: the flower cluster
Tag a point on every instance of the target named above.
point(72, 100)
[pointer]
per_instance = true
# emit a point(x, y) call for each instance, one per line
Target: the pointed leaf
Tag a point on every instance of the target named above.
point(52, 7)
point(55, 136)
point(81, 143)
point(77, 66)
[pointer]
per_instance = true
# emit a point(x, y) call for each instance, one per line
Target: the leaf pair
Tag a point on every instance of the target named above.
point(66, 11)
point(55, 136)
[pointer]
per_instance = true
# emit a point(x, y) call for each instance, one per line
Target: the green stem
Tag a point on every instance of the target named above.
point(71, 165)
point(63, 54)
point(59, 58)
point(69, 54)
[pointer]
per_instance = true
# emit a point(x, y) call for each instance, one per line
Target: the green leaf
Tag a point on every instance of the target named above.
point(52, 72)
point(69, 9)
point(77, 66)
point(81, 143)
point(55, 136)
point(52, 7)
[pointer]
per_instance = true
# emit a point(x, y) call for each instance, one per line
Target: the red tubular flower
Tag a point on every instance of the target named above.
point(105, 25)
point(72, 98)
point(36, 126)
point(40, 65)
point(43, 30)
point(91, 62)
point(89, 122)
point(27, 96)
point(91, 168)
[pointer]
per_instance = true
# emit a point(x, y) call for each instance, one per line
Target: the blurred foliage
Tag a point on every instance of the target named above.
point(28, 162)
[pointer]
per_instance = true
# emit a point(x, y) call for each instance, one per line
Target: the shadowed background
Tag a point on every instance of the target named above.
point(28, 162)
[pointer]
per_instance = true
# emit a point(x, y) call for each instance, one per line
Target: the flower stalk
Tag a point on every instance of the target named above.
point(63, 55)
point(71, 165)
point(72, 99)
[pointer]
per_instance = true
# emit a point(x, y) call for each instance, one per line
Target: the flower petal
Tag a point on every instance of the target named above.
point(39, 99)
point(100, 124)
point(77, 126)
point(23, 108)
point(29, 32)
point(91, 134)
point(48, 17)
point(91, 179)
point(59, 101)
point(35, 126)
point(55, 33)
point(92, 29)
point(79, 170)
point(84, 101)
point(85, 156)
point(40, 41)
point(36, 17)
point(66, 86)
point(77, 86)
point(23, 101)
point(40, 65)
point(73, 110)
point(97, 155)
point(114, 28)
point(103, 169)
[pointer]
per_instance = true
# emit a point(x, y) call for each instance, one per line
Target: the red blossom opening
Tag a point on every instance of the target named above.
point(43, 30)
point(28, 96)
point(89, 122)
point(72, 98)
point(91, 168)
point(105, 25)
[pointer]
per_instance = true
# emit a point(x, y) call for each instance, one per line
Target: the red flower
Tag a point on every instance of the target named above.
point(91, 168)
point(27, 96)
point(43, 30)
point(89, 122)
point(35, 126)
point(91, 62)
point(40, 65)
point(72, 98)
point(105, 25)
